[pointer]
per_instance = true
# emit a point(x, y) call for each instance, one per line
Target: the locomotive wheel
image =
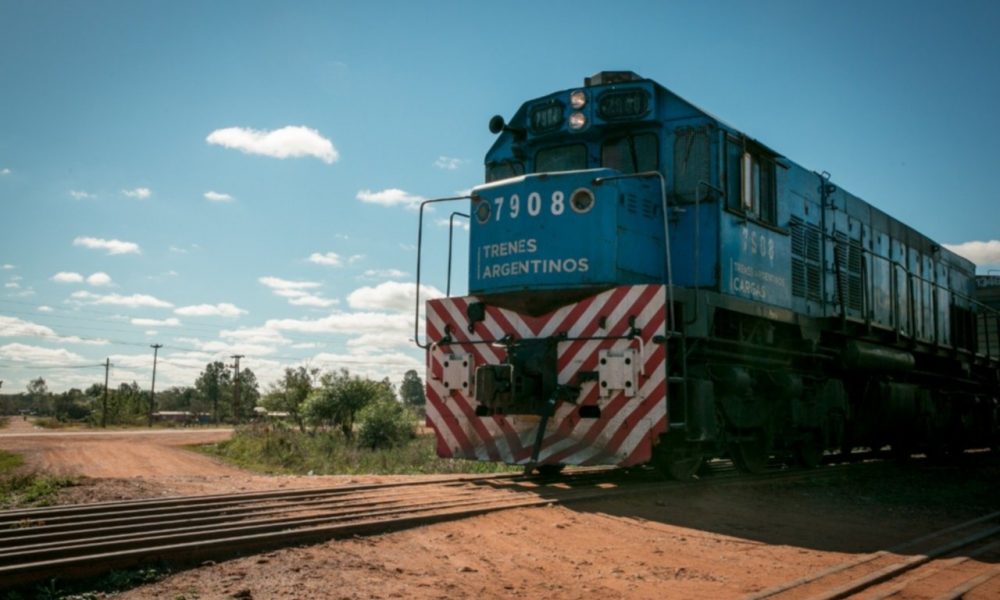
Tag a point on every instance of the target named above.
point(682, 468)
point(809, 451)
point(550, 470)
point(750, 455)
point(677, 463)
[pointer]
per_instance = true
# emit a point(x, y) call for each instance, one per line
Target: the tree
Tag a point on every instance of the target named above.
point(249, 392)
point(211, 383)
point(289, 393)
point(340, 397)
point(38, 391)
point(412, 390)
point(71, 405)
point(385, 423)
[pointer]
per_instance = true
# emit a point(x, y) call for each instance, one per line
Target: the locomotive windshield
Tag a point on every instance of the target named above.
point(495, 171)
point(631, 153)
point(561, 158)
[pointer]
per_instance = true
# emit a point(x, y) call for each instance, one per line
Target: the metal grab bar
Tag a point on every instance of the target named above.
point(451, 235)
point(420, 241)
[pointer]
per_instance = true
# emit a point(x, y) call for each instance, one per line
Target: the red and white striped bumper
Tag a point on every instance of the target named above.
point(629, 420)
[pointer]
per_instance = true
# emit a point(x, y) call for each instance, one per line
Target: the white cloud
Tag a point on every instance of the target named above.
point(223, 309)
point(448, 163)
point(254, 335)
point(391, 197)
point(376, 365)
point(281, 143)
point(169, 322)
point(277, 283)
point(95, 279)
point(981, 253)
point(311, 300)
point(330, 259)
point(133, 301)
point(44, 308)
point(460, 223)
point(218, 197)
point(151, 332)
point(112, 246)
point(12, 285)
point(81, 195)
point(295, 291)
point(67, 277)
point(390, 295)
point(384, 274)
point(347, 323)
point(377, 342)
point(356, 258)
point(140, 192)
point(99, 279)
point(35, 354)
point(14, 327)
point(5, 171)
point(8, 267)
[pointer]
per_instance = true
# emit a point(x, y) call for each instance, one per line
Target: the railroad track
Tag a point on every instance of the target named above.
point(83, 541)
point(944, 565)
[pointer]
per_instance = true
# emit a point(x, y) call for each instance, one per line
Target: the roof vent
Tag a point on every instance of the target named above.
point(610, 77)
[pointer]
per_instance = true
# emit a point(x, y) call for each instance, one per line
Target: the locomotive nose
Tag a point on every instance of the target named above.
point(562, 235)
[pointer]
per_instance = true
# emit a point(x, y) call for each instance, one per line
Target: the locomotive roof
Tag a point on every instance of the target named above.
point(883, 222)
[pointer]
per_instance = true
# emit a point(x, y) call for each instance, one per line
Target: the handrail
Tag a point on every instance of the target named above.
point(666, 232)
point(451, 235)
point(420, 240)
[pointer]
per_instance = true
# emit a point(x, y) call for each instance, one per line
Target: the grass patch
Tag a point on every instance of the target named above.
point(287, 451)
point(9, 461)
point(18, 490)
point(92, 589)
point(53, 423)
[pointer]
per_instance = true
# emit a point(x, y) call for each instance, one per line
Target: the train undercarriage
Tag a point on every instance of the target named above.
point(608, 380)
point(755, 383)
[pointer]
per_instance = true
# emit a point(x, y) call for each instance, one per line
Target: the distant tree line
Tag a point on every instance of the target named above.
point(312, 399)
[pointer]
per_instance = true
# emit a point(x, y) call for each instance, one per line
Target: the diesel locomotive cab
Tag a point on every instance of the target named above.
point(588, 216)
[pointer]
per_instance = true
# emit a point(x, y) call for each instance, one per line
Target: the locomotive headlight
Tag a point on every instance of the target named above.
point(577, 99)
point(577, 120)
point(483, 211)
point(582, 200)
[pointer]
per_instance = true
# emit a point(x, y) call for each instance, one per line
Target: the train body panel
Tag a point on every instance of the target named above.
point(798, 316)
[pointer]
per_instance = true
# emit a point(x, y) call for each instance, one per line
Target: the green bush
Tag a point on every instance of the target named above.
point(279, 448)
point(386, 424)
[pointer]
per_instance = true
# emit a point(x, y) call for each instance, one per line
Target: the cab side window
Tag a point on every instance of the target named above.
point(750, 181)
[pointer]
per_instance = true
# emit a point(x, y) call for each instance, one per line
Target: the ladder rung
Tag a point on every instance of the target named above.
point(676, 379)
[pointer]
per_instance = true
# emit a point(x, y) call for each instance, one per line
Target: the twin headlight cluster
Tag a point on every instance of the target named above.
point(577, 100)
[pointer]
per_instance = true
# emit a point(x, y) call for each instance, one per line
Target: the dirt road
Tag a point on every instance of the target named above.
point(706, 542)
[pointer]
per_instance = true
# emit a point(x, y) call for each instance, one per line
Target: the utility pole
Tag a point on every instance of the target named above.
point(104, 406)
point(152, 389)
point(236, 390)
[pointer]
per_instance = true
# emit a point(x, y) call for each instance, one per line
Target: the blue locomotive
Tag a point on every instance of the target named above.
point(649, 284)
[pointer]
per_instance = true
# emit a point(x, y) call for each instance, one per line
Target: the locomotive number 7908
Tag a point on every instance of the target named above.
point(557, 205)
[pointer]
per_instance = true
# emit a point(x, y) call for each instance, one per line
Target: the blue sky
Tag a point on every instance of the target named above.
point(239, 177)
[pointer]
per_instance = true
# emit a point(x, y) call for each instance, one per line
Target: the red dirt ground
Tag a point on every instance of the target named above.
point(699, 542)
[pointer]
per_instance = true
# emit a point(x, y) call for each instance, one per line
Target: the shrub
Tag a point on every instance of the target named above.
point(386, 424)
